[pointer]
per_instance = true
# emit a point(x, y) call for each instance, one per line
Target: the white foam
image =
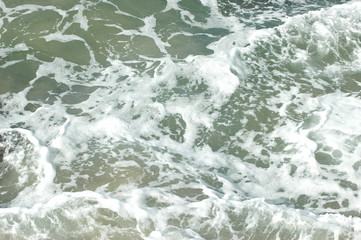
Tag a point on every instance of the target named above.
point(218, 75)
point(148, 30)
point(41, 166)
point(182, 190)
point(62, 38)
point(343, 113)
point(6, 51)
point(79, 17)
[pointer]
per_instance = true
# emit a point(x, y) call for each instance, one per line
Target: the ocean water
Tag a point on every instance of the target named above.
point(180, 119)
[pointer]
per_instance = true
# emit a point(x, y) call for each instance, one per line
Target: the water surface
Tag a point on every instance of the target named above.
point(180, 119)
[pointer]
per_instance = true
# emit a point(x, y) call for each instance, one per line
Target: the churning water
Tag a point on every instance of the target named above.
point(180, 119)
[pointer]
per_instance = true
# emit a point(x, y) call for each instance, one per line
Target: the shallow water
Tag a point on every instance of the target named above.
point(180, 119)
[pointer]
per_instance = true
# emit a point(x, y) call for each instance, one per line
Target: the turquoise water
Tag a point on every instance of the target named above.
point(180, 119)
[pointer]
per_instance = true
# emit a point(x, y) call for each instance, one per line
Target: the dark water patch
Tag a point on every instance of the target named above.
point(348, 184)
point(142, 8)
point(31, 26)
point(326, 159)
point(200, 12)
point(46, 90)
point(16, 77)
point(143, 45)
point(31, 107)
point(65, 5)
point(182, 46)
point(2, 149)
point(174, 126)
point(73, 51)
